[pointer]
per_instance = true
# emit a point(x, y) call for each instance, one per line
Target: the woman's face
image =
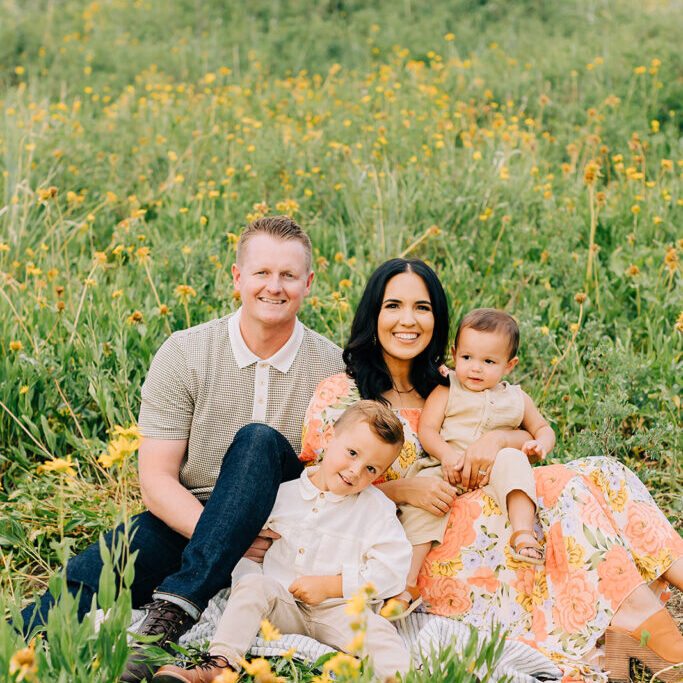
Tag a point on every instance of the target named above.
point(406, 322)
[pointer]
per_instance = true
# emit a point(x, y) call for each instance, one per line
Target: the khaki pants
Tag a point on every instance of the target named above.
point(511, 472)
point(257, 597)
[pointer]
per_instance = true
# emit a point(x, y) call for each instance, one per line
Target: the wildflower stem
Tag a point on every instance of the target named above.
point(156, 294)
point(417, 241)
point(380, 213)
point(563, 356)
point(494, 250)
point(80, 304)
point(21, 424)
point(594, 223)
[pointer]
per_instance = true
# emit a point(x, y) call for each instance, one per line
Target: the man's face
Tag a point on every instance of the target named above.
point(272, 280)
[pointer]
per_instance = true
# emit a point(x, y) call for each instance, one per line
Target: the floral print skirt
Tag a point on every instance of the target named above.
point(603, 536)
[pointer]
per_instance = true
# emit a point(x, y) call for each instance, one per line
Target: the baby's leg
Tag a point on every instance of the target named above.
point(254, 598)
point(420, 552)
point(332, 626)
point(512, 485)
point(422, 529)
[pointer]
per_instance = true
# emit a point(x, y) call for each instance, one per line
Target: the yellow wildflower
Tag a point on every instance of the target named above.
point(343, 665)
point(142, 254)
point(260, 670)
point(57, 465)
point(15, 346)
point(671, 259)
point(356, 645)
point(356, 604)
point(23, 663)
point(269, 632)
point(135, 318)
point(47, 193)
point(184, 292)
point(227, 676)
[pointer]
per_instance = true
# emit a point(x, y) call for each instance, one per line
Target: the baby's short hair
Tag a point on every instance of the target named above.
point(491, 320)
point(381, 420)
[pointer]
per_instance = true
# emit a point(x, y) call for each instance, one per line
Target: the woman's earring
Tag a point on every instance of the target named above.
point(374, 340)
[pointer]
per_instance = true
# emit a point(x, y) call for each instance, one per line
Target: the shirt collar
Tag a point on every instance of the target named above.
point(309, 490)
point(281, 360)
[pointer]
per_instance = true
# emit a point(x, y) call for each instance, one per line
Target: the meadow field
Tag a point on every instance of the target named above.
point(530, 151)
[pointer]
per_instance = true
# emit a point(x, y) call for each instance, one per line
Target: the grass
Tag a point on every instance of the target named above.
point(530, 151)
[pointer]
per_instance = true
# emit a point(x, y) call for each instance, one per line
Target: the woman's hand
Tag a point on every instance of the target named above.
point(479, 459)
point(429, 493)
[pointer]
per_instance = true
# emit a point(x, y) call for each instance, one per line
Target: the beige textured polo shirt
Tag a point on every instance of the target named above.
point(204, 384)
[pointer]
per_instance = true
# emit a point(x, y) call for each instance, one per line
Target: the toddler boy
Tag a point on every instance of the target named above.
point(337, 533)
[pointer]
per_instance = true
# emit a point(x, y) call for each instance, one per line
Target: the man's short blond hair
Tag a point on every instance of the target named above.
point(382, 421)
point(279, 227)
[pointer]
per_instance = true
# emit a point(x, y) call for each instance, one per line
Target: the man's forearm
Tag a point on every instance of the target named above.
point(173, 504)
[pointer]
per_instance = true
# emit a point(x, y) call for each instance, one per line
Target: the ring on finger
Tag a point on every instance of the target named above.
point(483, 473)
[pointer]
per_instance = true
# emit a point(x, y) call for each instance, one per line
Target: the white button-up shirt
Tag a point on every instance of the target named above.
point(281, 360)
point(324, 534)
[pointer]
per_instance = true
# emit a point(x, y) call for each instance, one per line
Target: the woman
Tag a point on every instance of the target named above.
point(604, 536)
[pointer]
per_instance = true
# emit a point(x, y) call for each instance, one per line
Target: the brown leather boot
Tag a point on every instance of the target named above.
point(164, 619)
point(210, 668)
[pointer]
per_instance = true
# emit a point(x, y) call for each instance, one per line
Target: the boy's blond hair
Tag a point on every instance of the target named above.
point(382, 421)
point(491, 320)
point(279, 227)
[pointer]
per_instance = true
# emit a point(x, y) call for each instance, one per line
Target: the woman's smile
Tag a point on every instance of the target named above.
point(405, 323)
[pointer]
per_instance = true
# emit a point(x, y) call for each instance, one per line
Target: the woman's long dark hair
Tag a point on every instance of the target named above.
point(363, 354)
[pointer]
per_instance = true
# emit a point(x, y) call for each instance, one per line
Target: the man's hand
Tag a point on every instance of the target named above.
point(314, 589)
point(260, 545)
point(535, 449)
point(451, 464)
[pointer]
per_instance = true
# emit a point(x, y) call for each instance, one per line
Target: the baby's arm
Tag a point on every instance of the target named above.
point(543, 436)
point(314, 589)
point(430, 436)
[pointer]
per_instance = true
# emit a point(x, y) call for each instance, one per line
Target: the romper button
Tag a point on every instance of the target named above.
point(315, 509)
point(301, 551)
point(322, 495)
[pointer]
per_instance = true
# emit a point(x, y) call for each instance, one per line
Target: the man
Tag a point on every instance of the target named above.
point(221, 415)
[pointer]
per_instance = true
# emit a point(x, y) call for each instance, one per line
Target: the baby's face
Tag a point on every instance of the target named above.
point(481, 359)
point(354, 458)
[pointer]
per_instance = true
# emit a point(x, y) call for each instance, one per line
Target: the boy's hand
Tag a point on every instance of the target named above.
point(314, 589)
point(535, 449)
point(451, 464)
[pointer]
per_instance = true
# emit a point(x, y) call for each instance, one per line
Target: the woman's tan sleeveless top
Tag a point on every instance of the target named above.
point(469, 414)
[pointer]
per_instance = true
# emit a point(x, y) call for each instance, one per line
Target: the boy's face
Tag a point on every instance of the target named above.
point(481, 359)
point(354, 458)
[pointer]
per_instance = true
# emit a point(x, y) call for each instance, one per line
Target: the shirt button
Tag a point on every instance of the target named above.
point(315, 509)
point(301, 551)
point(260, 400)
point(322, 495)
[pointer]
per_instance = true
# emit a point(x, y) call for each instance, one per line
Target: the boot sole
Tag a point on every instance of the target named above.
point(621, 647)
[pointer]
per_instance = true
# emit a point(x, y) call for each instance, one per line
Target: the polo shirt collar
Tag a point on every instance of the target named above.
point(309, 490)
point(281, 360)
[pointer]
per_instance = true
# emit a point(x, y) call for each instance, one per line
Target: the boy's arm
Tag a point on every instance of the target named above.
point(314, 589)
point(430, 437)
point(542, 434)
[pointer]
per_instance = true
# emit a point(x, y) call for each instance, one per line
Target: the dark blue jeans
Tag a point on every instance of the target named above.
point(257, 462)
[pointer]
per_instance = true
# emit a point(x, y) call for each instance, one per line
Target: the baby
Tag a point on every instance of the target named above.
point(454, 417)
point(337, 533)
